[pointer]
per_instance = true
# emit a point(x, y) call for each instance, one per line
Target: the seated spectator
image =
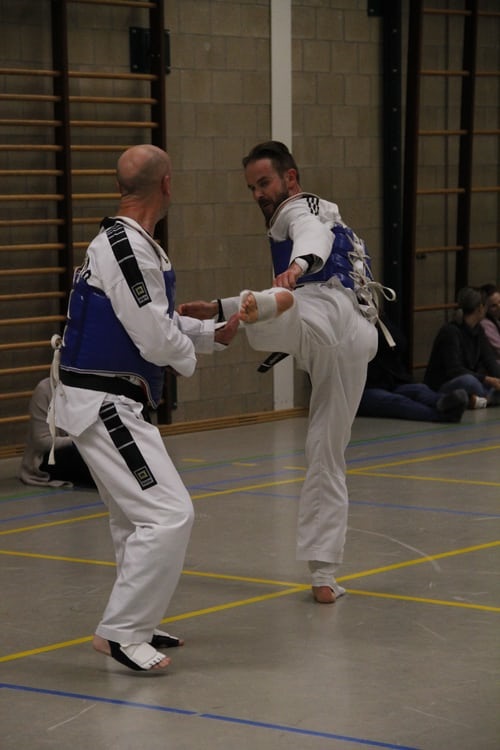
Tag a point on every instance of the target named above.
point(462, 357)
point(69, 468)
point(391, 392)
point(491, 322)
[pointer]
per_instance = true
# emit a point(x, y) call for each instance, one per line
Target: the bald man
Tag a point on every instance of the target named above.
point(121, 333)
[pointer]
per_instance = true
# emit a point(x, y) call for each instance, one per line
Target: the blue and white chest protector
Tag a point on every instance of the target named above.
point(348, 253)
point(94, 340)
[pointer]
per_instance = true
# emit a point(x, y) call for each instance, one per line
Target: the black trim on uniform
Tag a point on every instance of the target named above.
point(313, 203)
point(220, 312)
point(115, 385)
point(127, 261)
point(124, 442)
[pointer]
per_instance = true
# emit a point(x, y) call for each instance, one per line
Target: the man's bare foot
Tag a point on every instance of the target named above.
point(101, 645)
point(256, 306)
point(326, 594)
point(138, 656)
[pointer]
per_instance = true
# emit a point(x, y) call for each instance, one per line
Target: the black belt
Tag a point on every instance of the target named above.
point(117, 386)
point(272, 360)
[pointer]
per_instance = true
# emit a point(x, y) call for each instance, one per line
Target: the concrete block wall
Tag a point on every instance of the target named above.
point(218, 107)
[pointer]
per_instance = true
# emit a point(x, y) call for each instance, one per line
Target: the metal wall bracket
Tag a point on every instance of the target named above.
point(140, 50)
point(375, 8)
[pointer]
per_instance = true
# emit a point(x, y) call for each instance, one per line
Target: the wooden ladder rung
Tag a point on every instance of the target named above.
point(29, 72)
point(123, 3)
point(15, 394)
point(438, 249)
point(432, 308)
point(440, 191)
point(33, 246)
point(23, 197)
point(35, 319)
point(32, 271)
point(446, 73)
point(446, 11)
point(24, 345)
point(31, 172)
point(29, 147)
point(24, 370)
point(18, 296)
point(10, 122)
point(29, 98)
point(112, 76)
point(112, 124)
point(15, 420)
point(98, 148)
point(31, 222)
point(112, 100)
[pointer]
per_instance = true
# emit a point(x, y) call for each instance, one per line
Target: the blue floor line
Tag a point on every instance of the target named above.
point(212, 717)
point(56, 511)
point(293, 498)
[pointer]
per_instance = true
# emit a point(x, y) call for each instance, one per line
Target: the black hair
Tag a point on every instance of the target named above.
point(277, 152)
point(469, 298)
point(488, 289)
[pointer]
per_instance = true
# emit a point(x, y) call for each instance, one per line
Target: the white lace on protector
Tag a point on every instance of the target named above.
point(368, 291)
point(56, 343)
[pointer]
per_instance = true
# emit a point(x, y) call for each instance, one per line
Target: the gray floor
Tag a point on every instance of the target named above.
point(408, 659)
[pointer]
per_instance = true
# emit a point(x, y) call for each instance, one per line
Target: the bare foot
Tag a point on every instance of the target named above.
point(101, 645)
point(263, 306)
point(249, 312)
point(324, 594)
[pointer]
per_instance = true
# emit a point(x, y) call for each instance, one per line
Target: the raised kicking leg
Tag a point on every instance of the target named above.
point(260, 306)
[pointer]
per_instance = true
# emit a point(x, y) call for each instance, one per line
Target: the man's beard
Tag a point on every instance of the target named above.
point(269, 207)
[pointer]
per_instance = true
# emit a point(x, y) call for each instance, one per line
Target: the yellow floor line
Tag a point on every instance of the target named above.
point(370, 473)
point(424, 600)
point(108, 563)
point(266, 581)
point(174, 618)
point(433, 457)
point(49, 524)
point(56, 558)
point(420, 560)
point(242, 579)
point(254, 600)
point(246, 488)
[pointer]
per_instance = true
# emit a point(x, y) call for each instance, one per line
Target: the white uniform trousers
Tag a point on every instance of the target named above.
point(333, 343)
point(150, 517)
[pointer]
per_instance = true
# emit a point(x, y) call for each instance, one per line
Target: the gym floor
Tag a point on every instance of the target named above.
point(408, 659)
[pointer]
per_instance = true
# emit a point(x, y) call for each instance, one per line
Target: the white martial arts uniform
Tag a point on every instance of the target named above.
point(332, 338)
point(150, 510)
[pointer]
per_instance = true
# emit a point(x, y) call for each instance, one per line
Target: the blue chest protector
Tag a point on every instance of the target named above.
point(339, 263)
point(94, 340)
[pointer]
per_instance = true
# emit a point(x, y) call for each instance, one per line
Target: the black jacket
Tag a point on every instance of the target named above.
point(387, 369)
point(457, 350)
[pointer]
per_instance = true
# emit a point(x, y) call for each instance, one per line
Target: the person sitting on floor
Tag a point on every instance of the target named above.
point(462, 356)
point(69, 467)
point(390, 391)
point(491, 322)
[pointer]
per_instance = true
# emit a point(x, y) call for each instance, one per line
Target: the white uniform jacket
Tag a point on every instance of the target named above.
point(159, 338)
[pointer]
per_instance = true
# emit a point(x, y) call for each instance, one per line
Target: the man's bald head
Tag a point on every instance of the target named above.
point(141, 169)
